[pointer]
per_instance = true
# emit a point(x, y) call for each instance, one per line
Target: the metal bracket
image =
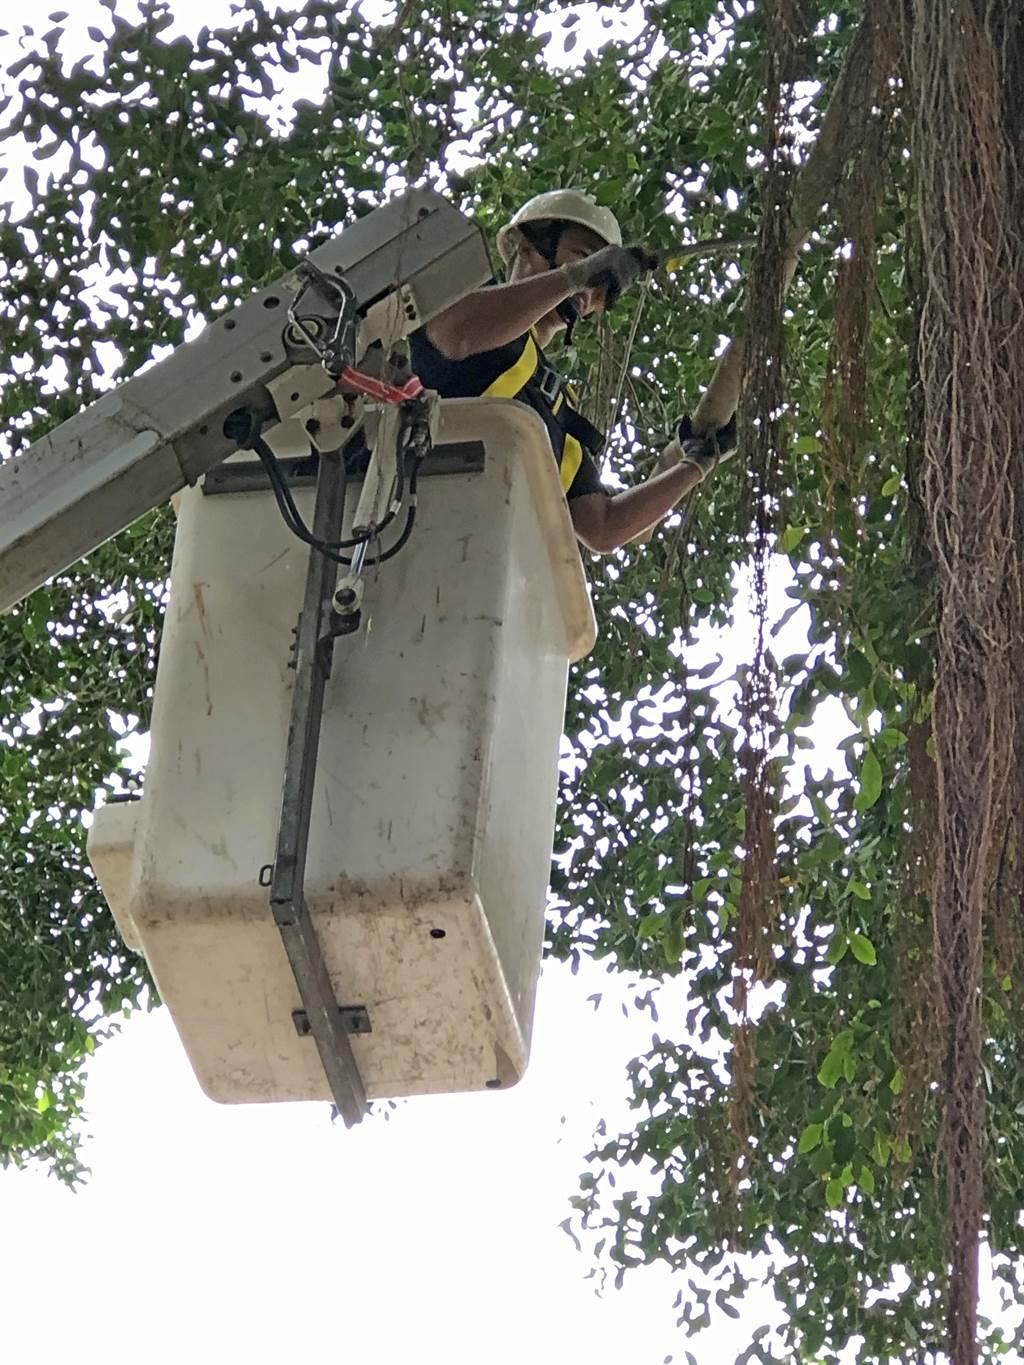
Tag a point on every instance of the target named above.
point(313, 655)
point(248, 476)
point(393, 316)
point(354, 1019)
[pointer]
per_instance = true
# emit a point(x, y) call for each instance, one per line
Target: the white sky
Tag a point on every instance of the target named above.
point(267, 1234)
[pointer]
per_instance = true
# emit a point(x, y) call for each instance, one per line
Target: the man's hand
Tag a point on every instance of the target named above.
point(611, 270)
point(692, 458)
point(706, 453)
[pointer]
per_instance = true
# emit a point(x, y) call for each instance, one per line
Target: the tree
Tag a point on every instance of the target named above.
point(804, 1121)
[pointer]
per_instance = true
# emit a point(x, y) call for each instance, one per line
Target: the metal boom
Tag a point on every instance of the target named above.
point(136, 446)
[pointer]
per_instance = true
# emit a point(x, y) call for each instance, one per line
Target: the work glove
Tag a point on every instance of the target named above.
point(612, 269)
point(705, 452)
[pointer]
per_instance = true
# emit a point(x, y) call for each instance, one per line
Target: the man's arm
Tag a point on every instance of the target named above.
point(606, 521)
point(494, 316)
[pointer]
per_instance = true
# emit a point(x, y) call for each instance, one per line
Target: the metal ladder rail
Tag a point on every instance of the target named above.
point(314, 647)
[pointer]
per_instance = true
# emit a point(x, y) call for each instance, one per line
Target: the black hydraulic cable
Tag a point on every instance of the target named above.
point(293, 517)
point(242, 427)
point(410, 519)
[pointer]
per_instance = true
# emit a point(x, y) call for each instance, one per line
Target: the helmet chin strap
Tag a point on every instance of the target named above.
point(547, 248)
point(570, 315)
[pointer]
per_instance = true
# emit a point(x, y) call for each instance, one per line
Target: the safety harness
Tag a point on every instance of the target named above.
point(533, 381)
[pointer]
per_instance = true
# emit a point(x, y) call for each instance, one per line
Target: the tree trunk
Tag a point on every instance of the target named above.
point(964, 86)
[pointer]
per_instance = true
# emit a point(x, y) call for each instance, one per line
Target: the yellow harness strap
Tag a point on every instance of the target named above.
point(512, 381)
point(572, 454)
point(517, 376)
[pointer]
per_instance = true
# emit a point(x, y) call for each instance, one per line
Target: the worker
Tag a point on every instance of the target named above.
point(565, 260)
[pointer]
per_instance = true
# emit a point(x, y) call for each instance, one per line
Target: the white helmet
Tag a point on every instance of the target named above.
point(565, 206)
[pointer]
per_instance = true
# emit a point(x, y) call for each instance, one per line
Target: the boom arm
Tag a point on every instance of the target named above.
point(132, 449)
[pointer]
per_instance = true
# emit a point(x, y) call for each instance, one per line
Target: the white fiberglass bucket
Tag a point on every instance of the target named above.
point(434, 811)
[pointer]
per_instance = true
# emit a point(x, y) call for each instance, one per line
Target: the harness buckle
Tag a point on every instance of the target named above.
point(549, 383)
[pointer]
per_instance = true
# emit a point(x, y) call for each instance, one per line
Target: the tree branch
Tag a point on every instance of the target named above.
point(843, 128)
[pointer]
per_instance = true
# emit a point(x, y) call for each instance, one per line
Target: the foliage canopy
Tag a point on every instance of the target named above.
point(170, 175)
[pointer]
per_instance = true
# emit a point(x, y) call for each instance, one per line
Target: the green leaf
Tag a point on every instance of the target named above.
point(891, 485)
point(891, 738)
point(863, 949)
point(610, 192)
point(834, 1193)
point(791, 538)
point(866, 1180)
point(870, 782)
point(896, 1084)
point(832, 1069)
point(837, 949)
point(822, 1159)
point(806, 445)
point(810, 1137)
point(673, 941)
point(857, 670)
point(860, 890)
point(880, 1150)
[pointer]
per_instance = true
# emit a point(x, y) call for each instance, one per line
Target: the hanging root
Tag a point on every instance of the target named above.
point(915, 1036)
point(792, 198)
point(971, 349)
point(845, 127)
point(762, 435)
point(843, 402)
